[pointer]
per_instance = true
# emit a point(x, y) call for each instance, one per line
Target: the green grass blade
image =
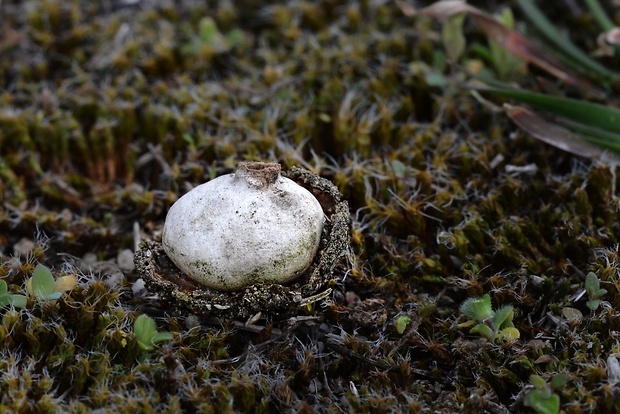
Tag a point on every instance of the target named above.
point(594, 135)
point(565, 46)
point(599, 15)
point(603, 20)
point(587, 113)
point(553, 134)
point(508, 40)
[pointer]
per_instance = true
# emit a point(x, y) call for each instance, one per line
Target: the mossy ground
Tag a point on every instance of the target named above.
point(109, 112)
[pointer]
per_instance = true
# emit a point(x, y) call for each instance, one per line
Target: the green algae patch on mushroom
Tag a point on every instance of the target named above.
point(259, 294)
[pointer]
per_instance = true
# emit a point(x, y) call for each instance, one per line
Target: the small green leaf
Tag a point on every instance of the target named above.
point(509, 334)
point(146, 333)
point(53, 296)
point(593, 304)
point(482, 308)
point(42, 282)
point(467, 308)
point(235, 37)
point(559, 380)
point(400, 169)
point(161, 336)
point(505, 63)
point(538, 382)
point(208, 31)
point(436, 79)
point(543, 402)
point(483, 331)
point(144, 329)
point(592, 283)
point(5, 299)
point(600, 293)
point(478, 309)
point(506, 18)
point(503, 317)
point(401, 323)
point(572, 314)
point(452, 36)
point(190, 48)
point(18, 301)
point(188, 138)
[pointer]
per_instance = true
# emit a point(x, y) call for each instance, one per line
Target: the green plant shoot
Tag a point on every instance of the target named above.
point(146, 333)
point(478, 309)
point(506, 64)
point(542, 398)
point(401, 323)
point(6, 298)
point(492, 325)
point(43, 286)
point(594, 291)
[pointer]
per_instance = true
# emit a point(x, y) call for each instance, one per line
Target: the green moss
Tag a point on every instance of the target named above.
point(110, 113)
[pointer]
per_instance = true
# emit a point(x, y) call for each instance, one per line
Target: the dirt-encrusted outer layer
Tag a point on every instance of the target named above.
point(163, 277)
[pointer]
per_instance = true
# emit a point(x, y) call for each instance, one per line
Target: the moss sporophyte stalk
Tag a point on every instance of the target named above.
point(251, 241)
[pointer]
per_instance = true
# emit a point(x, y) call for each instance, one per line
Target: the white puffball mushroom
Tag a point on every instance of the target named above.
point(253, 226)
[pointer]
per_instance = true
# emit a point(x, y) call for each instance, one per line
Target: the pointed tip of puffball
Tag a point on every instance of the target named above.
point(258, 174)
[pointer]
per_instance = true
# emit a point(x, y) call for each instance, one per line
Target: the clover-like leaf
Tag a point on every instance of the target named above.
point(146, 333)
point(41, 284)
point(594, 291)
point(144, 329)
point(592, 284)
point(18, 301)
point(593, 304)
point(6, 298)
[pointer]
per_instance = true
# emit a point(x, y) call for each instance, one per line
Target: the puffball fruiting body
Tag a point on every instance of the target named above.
point(240, 229)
